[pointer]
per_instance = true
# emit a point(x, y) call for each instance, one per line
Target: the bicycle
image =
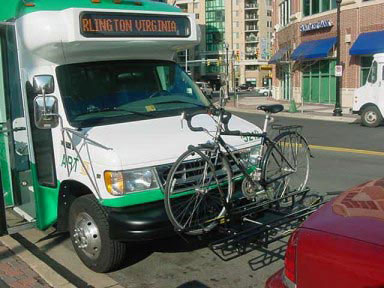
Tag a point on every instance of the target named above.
point(199, 186)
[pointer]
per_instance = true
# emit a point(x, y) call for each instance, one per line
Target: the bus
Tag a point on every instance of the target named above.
point(90, 105)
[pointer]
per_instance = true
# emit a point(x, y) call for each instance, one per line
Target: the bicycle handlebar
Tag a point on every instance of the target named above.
point(219, 112)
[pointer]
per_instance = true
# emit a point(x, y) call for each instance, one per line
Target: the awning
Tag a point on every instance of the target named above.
point(368, 43)
point(278, 56)
point(314, 49)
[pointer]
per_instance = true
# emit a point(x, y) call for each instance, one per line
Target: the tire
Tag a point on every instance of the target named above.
point(88, 226)
point(193, 202)
point(371, 117)
point(295, 150)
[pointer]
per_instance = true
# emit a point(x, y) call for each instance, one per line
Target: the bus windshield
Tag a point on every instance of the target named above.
point(101, 93)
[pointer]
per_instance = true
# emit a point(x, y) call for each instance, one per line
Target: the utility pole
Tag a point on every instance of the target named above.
point(338, 111)
point(227, 67)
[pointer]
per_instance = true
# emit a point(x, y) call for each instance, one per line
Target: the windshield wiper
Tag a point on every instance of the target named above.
point(180, 101)
point(108, 109)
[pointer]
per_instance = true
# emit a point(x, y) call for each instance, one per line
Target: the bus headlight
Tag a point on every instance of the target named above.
point(129, 181)
point(250, 156)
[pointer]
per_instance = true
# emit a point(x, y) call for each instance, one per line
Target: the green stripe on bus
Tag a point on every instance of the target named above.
point(16, 8)
point(134, 198)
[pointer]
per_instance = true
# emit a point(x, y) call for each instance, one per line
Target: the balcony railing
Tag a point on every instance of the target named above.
point(251, 28)
point(250, 6)
point(251, 17)
point(252, 39)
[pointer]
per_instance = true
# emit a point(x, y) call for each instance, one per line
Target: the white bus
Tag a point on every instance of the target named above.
point(90, 105)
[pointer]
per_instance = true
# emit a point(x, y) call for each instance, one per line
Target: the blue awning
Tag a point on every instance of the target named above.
point(314, 49)
point(278, 55)
point(368, 43)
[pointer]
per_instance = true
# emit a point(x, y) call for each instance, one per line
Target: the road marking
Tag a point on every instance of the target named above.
point(347, 150)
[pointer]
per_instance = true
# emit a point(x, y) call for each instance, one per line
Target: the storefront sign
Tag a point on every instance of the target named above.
point(93, 24)
point(315, 26)
point(338, 70)
point(266, 67)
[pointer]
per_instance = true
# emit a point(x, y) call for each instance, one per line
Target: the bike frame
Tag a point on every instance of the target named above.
point(265, 140)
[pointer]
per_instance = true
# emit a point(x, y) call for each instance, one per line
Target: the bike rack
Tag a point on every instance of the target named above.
point(251, 226)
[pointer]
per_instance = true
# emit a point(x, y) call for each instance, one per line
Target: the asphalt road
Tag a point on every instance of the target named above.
point(177, 263)
point(188, 263)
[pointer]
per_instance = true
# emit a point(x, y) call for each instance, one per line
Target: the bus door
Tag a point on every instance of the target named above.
point(18, 202)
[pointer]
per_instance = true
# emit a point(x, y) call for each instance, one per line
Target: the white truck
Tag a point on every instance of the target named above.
point(90, 119)
point(369, 99)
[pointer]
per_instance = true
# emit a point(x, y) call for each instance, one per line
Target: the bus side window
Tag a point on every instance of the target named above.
point(382, 73)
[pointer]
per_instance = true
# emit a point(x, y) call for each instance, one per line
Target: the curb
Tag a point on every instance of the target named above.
point(297, 115)
point(45, 272)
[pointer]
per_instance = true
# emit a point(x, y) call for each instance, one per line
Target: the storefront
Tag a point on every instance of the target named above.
point(308, 74)
point(283, 68)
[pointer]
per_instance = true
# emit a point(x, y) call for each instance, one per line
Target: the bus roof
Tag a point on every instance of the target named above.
point(11, 9)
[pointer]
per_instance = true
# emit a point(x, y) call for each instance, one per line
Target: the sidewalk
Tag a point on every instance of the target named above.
point(309, 111)
point(15, 273)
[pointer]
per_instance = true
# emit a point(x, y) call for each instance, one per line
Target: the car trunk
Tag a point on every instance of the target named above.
point(342, 244)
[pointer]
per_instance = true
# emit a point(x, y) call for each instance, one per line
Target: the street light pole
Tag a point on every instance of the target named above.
point(338, 111)
point(227, 67)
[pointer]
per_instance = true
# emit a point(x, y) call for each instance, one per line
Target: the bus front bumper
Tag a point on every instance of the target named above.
point(140, 222)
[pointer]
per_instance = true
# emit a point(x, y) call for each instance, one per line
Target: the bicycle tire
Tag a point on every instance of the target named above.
point(295, 149)
point(209, 194)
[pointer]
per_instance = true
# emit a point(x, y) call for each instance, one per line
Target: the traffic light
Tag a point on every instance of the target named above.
point(208, 62)
point(237, 55)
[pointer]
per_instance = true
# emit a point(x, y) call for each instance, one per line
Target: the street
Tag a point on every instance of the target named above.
point(178, 262)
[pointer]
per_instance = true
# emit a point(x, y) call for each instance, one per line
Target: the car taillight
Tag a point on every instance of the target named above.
point(290, 257)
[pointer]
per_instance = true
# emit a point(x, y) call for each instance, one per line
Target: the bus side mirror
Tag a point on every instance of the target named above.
point(45, 107)
point(43, 84)
point(46, 112)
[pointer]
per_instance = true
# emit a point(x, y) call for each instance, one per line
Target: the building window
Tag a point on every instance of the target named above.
point(311, 7)
point(197, 15)
point(251, 67)
point(269, 12)
point(365, 65)
point(195, 6)
point(237, 25)
point(215, 24)
point(285, 12)
point(237, 46)
point(236, 35)
point(319, 82)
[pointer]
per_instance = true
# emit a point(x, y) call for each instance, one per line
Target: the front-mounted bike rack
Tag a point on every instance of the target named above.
point(256, 225)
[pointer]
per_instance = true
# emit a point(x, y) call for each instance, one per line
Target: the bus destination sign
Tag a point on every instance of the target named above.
point(133, 25)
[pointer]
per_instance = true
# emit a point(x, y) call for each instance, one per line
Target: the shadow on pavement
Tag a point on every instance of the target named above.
point(176, 244)
point(193, 284)
point(268, 257)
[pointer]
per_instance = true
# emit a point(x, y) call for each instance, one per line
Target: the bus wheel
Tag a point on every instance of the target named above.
point(89, 231)
point(371, 117)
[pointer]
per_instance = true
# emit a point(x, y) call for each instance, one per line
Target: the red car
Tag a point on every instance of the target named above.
point(340, 245)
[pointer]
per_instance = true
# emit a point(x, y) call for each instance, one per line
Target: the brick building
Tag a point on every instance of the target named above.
point(305, 53)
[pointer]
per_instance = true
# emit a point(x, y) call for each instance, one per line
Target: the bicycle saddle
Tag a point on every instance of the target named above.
point(275, 108)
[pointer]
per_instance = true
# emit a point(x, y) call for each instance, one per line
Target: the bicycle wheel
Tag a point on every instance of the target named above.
point(198, 187)
point(286, 167)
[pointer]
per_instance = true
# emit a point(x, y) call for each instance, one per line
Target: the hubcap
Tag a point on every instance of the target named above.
point(86, 235)
point(370, 117)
